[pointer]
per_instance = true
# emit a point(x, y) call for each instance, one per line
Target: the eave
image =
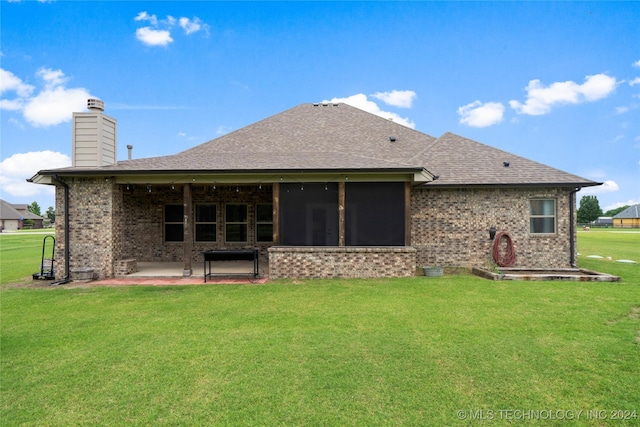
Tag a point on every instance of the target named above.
point(415, 175)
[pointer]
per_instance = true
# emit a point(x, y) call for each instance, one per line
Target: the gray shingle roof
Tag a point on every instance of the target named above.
point(461, 161)
point(329, 137)
point(7, 211)
point(632, 211)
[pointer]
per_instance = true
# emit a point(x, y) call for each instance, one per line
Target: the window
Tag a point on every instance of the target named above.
point(264, 223)
point(173, 223)
point(205, 223)
point(236, 223)
point(374, 214)
point(308, 214)
point(542, 216)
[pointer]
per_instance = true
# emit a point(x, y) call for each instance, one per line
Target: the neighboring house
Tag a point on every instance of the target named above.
point(38, 221)
point(602, 221)
point(13, 217)
point(322, 190)
point(628, 218)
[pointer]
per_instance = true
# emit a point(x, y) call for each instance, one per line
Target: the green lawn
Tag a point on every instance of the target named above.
point(20, 254)
point(410, 351)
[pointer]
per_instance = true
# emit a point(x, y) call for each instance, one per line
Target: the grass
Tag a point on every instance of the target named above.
point(20, 255)
point(410, 351)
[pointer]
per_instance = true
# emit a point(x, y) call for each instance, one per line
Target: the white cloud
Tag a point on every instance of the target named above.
point(621, 110)
point(396, 98)
point(54, 104)
point(158, 33)
point(541, 99)
point(9, 82)
point(144, 16)
point(190, 26)
point(360, 101)
point(608, 186)
point(636, 64)
point(51, 78)
point(22, 166)
point(477, 114)
point(635, 81)
point(152, 37)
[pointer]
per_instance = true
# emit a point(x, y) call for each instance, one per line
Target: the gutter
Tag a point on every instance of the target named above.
point(66, 278)
point(572, 228)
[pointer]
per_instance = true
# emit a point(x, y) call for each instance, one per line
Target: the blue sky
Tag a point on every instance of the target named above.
point(555, 82)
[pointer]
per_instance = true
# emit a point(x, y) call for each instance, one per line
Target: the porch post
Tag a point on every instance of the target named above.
point(341, 216)
point(187, 244)
point(407, 213)
point(276, 213)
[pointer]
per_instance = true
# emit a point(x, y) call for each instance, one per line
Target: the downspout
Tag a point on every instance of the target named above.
point(572, 228)
point(66, 278)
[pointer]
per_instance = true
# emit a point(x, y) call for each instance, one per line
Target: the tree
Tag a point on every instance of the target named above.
point(589, 209)
point(51, 214)
point(616, 211)
point(34, 208)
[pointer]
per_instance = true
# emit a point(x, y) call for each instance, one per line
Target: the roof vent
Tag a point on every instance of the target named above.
point(392, 138)
point(94, 104)
point(505, 164)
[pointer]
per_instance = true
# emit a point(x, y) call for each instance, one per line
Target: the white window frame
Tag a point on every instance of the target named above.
point(533, 216)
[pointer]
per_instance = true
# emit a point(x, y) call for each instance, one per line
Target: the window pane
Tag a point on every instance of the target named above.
point(264, 232)
point(236, 213)
point(543, 225)
point(173, 233)
point(308, 214)
point(264, 213)
point(374, 214)
point(236, 233)
point(205, 232)
point(542, 207)
point(173, 213)
point(205, 213)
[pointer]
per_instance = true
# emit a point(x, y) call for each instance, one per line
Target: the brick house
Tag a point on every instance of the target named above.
point(322, 190)
point(14, 216)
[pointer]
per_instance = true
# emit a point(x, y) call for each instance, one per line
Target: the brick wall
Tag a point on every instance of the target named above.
point(450, 227)
point(144, 215)
point(94, 232)
point(331, 262)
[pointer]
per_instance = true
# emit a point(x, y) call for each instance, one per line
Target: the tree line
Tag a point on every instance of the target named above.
point(589, 210)
point(34, 208)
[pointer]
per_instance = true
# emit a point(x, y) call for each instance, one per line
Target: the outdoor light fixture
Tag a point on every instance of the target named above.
point(149, 187)
point(492, 232)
